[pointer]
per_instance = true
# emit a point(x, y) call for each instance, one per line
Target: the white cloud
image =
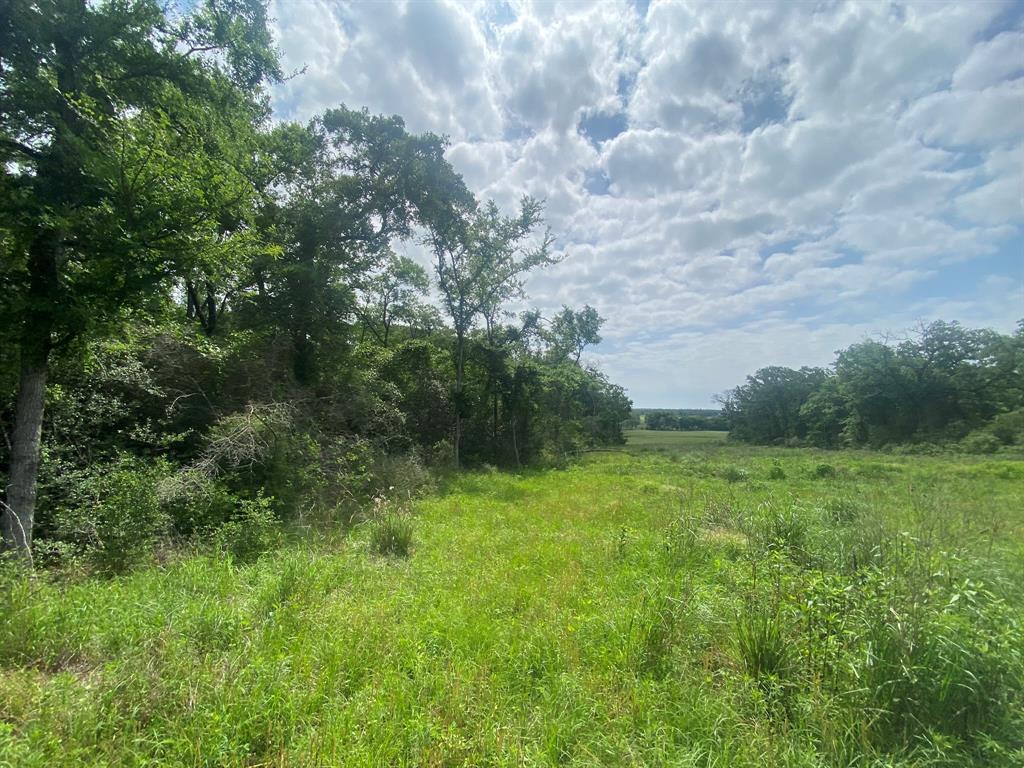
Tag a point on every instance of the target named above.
point(735, 184)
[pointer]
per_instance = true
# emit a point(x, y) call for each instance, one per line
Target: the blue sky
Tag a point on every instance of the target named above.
point(734, 185)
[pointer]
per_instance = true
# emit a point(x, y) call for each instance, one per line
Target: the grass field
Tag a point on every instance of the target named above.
point(691, 607)
point(654, 440)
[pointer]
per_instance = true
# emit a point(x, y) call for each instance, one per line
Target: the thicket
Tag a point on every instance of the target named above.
point(204, 325)
point(945, 388)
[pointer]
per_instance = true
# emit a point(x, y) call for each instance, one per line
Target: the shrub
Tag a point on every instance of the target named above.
point(733, 474)
point(980, 441)
point(253, 530)
point(195, 502)
point(116, 515)
point(1009, 427)
point(402, 476)
point(54, 553)
point(776, 472)
point(823, 471)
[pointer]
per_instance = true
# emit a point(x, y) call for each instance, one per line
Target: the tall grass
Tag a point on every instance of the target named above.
point(870, 618)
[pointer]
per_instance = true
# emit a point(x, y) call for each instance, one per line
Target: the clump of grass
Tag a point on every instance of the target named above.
point(782, 529)
point(776, 472)
point(763, 647)
point(681, 540)
point(392, 530)
point(844, 510)
point(652, 635)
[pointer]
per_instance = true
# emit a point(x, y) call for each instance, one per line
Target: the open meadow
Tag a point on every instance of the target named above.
point(696, 604)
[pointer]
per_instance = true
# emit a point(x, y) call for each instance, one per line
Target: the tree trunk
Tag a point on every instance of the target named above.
point(515, 444)
point(494, 426)
point(19, 512)
point(19, 515)
point(459, 348)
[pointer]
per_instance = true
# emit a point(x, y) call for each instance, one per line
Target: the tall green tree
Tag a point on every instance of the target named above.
point(480, 261)
point(351, 183)
point(573, 331)
point(392, 294)
point(124, 141)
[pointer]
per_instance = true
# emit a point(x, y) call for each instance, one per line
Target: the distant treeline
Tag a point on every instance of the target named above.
point(677, 419)
point(946, 384)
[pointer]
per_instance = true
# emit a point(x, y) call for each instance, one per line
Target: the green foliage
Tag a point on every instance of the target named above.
point(1009, 427)
point(981, 441)
point(114, 513)
point(935, 387)
point(733, 474)
point(252, 531)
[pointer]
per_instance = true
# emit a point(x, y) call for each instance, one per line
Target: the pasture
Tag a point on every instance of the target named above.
point(674, 603)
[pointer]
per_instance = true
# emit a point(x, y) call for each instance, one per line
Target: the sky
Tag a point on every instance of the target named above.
point(732, 185)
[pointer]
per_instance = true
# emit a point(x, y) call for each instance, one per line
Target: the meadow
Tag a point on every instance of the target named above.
point(681, 602)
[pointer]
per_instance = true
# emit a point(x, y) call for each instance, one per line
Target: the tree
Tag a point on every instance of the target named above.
point(123, 146)
point(351, 183)
point(393, 294)
point(480, 261)
point(572, 332)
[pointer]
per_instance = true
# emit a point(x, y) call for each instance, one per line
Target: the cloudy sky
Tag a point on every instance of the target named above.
point(735, 185)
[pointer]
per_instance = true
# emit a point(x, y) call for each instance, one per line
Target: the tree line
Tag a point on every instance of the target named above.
point(202, 314)
point(944, 384)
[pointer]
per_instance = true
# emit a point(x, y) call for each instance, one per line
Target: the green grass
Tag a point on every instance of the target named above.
point(640, 440)
point(639, 608)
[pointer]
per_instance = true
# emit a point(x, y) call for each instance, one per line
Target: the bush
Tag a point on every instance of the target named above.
point(403, 477)
point(733, 474)
point(1009, 427)
point(253, 531)
point(195, 502)
point(116, 516)
point(980, 441)
point(823, 471)
point(776, 472)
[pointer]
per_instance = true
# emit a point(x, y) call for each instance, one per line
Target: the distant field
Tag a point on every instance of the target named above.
point(711, 605)
point(652, 439)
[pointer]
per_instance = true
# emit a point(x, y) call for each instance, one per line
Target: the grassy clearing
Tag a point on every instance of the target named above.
point(705, 606)
point(640, 440)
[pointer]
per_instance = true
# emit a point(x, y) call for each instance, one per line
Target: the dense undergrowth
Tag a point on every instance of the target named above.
point(711, 606)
